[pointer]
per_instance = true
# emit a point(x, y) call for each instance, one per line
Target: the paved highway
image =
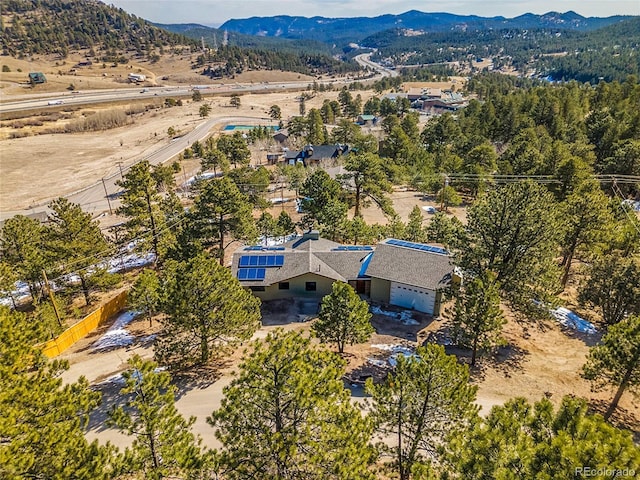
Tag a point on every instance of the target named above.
point(102, 196)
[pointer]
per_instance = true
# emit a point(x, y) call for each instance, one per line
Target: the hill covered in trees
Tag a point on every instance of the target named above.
point(345, 30)
point(608, 53)
point(59, 27)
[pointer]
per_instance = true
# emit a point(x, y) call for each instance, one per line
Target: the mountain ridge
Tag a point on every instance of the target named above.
point(353, 29)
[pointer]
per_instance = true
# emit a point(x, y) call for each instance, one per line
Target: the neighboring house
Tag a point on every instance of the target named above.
point(281, 135)
point(316, 154)
point(414, 94)
point(367, 120)
point(447, 102)
point(405, 274)
point(273, 158)
point(37, 77)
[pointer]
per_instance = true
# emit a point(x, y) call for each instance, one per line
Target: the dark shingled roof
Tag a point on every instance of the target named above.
point(409, 266)
point(319, 256)
point(306, 255)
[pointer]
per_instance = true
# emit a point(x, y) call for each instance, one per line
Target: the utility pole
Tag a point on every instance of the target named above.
point(445, 183)
point(51, 297)
point(120, 166)
point(106, 195)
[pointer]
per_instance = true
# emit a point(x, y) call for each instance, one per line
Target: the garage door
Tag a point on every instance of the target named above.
point(415, 298)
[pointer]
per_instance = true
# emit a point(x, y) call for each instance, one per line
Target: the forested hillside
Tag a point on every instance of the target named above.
point(345, 30)
point(607, 54)
point(31, 27)
point(60, 26)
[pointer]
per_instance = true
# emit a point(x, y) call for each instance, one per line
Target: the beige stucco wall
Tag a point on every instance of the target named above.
point(380, 290)
point(297, 287)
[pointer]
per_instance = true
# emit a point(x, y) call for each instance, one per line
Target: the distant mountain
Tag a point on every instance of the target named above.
point(215, 37)
point(345, 30)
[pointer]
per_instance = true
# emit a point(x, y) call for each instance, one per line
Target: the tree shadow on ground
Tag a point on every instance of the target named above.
point(507, 359)
point(620, 418)
point(199, 376)
point(288, 310)
point(111, 396)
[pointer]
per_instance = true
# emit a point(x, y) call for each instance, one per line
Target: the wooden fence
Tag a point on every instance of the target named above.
point(88, 324)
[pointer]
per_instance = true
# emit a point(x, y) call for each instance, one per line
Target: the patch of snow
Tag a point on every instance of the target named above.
point(405, 317)
point(429, 209)
point(376, 362)
point(571, 320)
point(396, 351)
point(118, 379)
point(117, 335)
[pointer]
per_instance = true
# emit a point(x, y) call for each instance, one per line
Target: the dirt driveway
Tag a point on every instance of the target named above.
point(539, 361)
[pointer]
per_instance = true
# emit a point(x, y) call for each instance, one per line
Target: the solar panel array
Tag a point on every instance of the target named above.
point(251, 273)
point(260, 248)
point(417, 246)
point(261, 261)
point(353, 248)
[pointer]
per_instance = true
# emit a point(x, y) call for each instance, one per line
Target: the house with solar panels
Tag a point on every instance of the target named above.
point(406, 274)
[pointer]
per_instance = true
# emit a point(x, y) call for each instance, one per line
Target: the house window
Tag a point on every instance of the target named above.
point(283, 286)
point(310, 286)
point(257, 288)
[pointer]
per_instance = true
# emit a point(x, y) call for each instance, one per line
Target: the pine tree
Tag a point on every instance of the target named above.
point(221, 214)
point(42, 422)
point(75, 240)
point(414, 231)
point(588, 219)
point(616, 361)
point(425, 398)
point(477, 319)
point(287, 415)
point(163, 445)
point(344, 318)
point(513, 232)
point(140, 204)
point(613, 285)
point(144, 296)
point(207, 312)
point(518, 440)
point(368, 180)
point(22, 246)
point(235, 148)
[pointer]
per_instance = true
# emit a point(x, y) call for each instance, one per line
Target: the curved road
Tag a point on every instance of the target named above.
point(93, 198)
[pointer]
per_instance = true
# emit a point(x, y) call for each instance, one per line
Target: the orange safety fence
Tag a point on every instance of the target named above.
point(88, 324)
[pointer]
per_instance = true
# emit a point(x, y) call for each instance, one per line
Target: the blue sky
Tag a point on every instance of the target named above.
point(216, 12)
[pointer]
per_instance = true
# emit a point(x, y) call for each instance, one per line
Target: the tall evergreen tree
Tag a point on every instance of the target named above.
point(414, 230)
point(22, 244)
point(235, 148)
point(367, 178)
point(425, 398)
point(75, 240)
point(613, 286)
point(163, 445)
point(145, 293)
point(207, 312)
point(221, 214)
point(477, 319)
point(42, 422)
point(513, 232)
point(287, 416)
point(141, 206)
point(518, 440)
point(344, 318)
point(588, 220)
point(616, 361)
